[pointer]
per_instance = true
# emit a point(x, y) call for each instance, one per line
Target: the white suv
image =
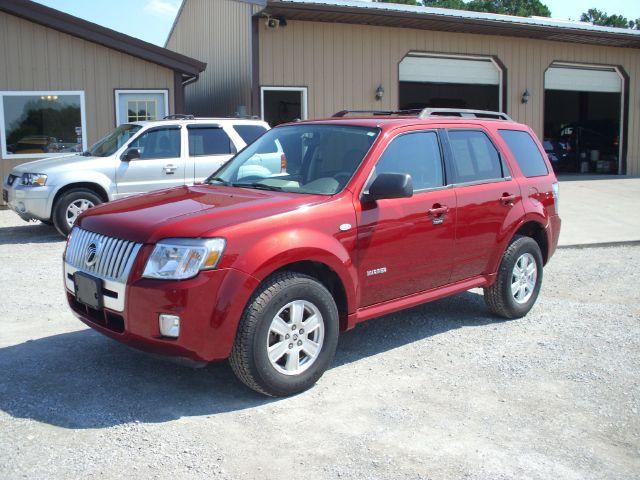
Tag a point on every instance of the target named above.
point(135, 158)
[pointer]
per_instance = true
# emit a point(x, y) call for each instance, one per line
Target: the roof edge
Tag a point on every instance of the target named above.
point(407, 16)
point(92, 32)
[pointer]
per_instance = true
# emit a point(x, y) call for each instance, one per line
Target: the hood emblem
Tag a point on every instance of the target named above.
point(92, 254)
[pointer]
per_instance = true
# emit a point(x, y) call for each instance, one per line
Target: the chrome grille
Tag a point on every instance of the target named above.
point(114, 256)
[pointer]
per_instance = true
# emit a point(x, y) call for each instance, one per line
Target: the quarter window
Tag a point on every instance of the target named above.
point(36, 124)
point(158, 143)
point(526, 153)
point(474, 157)
point(209, 140)
point(416, 154)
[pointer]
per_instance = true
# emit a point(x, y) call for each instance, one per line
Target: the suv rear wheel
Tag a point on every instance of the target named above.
point(70, 205)
point(519, 279)
point(287, 336)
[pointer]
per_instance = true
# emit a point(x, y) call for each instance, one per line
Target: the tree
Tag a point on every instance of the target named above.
point(598, 17)
point(523, 8)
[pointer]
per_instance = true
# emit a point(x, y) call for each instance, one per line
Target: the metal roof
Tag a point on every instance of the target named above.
point(92, 32)
point(409, 16)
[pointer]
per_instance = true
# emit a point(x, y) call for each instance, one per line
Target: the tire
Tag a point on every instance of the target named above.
point(59, 214)
point(250, 355)
point(49, 223)
point(499, 297)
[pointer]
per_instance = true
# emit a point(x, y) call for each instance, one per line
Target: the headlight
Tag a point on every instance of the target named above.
point(34, 179)
point(180, 258)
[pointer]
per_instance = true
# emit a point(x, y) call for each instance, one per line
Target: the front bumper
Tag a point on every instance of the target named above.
point(30, 203)
point(209, 305)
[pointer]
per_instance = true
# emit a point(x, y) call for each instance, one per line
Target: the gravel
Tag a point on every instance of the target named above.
point(439, 391)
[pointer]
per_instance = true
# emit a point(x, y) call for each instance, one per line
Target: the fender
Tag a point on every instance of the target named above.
point(83, 176)
point(281, 248)
point(531, 216)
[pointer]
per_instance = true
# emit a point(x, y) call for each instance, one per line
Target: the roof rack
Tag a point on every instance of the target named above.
point(178, 116)
point(384, 113)
point(465, 113)
point(431, 112)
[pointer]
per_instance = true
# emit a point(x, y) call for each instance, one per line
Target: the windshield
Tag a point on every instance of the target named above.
point(112, 142)
point(304, 158)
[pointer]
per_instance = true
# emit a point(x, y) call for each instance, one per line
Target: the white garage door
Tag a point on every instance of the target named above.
point(577, 79)
point(449, 70)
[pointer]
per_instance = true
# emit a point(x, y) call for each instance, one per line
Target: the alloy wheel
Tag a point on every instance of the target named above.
point(295, 337)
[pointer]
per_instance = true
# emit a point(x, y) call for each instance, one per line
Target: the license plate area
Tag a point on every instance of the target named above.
point(88, 290)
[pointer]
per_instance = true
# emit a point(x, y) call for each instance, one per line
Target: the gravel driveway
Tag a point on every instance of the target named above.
point(437, 392)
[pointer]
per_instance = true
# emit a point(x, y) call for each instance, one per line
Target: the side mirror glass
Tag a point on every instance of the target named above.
point(130, 153)
point(390, 185)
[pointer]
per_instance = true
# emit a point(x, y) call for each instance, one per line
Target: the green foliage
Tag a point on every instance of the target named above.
point(598, 17)
point(522, 8)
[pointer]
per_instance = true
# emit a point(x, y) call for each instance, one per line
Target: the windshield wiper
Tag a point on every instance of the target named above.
point(258, 186)
point(220, 180)
point(86, 153)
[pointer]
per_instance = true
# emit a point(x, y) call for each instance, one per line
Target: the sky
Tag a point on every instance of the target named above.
point(151, 20)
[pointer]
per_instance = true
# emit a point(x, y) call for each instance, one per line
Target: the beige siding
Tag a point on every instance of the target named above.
point(343, 64)
point(217, 32)
point(33, 57)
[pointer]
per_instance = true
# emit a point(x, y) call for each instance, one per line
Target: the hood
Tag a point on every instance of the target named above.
point(46, 165)
point(197, 211)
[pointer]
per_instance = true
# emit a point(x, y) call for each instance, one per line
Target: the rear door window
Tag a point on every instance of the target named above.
point(209, 140)
point(526, 152)
point(416, 154)
point(474, 157)
point(249, 133)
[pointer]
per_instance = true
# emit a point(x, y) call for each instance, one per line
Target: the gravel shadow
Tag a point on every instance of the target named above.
point(33, 232)
point(85, 380)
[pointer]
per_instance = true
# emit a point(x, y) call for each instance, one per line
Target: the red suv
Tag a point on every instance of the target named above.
point(313, 228)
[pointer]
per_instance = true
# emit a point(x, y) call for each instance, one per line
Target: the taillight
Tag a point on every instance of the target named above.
point(556, 196)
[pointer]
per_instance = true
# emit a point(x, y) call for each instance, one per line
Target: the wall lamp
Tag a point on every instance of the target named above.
point(526, 96)
point(379, 92)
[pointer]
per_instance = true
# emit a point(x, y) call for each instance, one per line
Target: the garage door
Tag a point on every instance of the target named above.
point(583, 80)
point(449, 70)
point(583, 118)
point(449, 81)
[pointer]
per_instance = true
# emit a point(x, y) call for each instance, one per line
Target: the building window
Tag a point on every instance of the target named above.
point(141, 105)
point(37, 124)
point(139, 110)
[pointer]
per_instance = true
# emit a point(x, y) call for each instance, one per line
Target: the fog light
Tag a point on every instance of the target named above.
point(169, 325)
point(21, 208)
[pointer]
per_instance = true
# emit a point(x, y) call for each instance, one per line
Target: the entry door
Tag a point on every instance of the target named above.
point(160, 165)
point(283, 104)
point(487, 200)
point(405, 245)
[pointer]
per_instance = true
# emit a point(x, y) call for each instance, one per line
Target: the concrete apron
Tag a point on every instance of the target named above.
point(599, 210)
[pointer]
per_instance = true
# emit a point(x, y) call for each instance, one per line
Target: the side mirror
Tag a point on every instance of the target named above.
point(130, 153)
point(390, 185)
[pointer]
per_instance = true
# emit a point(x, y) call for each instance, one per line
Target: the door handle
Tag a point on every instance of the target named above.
point(437, 213)
point(170, 169)
point(508, 199)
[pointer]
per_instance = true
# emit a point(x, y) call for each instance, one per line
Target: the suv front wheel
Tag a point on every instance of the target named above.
point(287, 336)
point(519, 279)
point(70, 205)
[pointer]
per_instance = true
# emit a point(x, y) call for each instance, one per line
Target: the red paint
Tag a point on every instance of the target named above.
point(266, 231)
